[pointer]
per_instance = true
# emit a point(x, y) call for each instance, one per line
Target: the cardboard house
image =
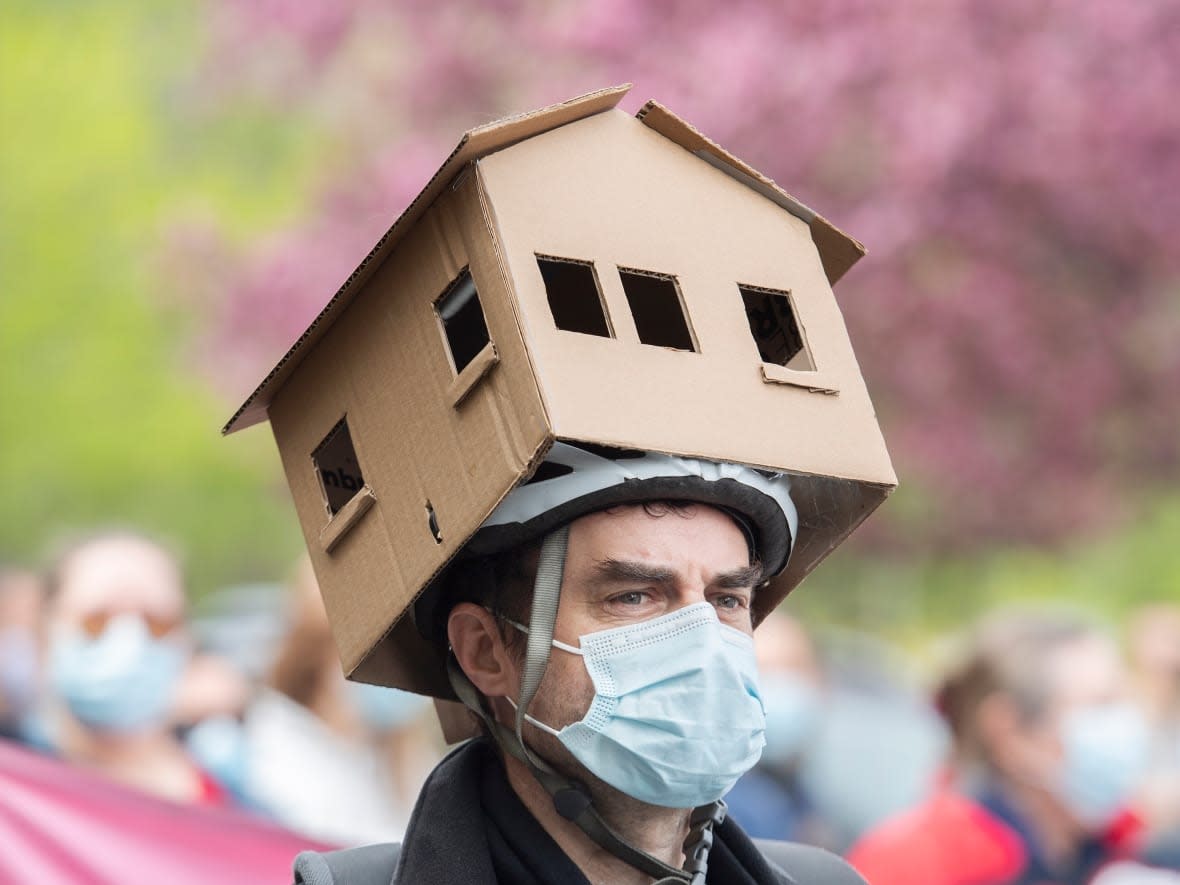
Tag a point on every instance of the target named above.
point(580, 274)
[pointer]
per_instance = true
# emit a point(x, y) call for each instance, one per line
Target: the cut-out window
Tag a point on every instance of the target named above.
point(775, 329)
point(574, 297)
point(657, 308)
point(337, 467)
point(463, 321)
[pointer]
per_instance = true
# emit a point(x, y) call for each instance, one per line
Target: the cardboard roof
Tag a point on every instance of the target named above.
point(838, 251)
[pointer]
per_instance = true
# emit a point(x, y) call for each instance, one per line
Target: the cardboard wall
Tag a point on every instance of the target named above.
point(421, 434)
point(609, 190)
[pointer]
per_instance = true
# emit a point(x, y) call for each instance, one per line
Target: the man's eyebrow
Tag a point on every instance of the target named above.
point(623, 570)
point(738, 579)
point(628, 570)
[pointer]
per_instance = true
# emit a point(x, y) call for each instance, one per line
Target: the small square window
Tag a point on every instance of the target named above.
point(463, 321)
point(574, 297)
point(660, 319)
point(337, 467)
point(776, 331)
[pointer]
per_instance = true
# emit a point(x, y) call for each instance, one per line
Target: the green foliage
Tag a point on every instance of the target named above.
point(101, 419)
point(913, 601)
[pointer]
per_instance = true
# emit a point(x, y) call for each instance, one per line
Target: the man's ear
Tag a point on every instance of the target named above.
point(479, 648)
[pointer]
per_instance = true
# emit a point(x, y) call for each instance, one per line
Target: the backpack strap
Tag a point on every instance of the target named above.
point(375, 864)
point(365, 865)
point(808, 865)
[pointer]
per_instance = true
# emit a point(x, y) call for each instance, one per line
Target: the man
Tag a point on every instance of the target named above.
point(116, 646)
point(599, 626)
point(1047, 759)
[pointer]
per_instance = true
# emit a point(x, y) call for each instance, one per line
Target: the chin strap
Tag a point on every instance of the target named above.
point(571, 799)
point(542, 622)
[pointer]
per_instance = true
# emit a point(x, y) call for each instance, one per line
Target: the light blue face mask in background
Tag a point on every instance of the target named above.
point(121, 681)
point(676, 717)
point(385, 709)
point(220, 745)
point(793, 714)
point(1106, 756)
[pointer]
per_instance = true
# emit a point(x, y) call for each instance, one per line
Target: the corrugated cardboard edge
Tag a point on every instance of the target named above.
point(837, 250)
point(475, 143)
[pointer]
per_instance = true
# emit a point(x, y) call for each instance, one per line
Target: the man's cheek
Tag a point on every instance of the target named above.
point(568, 694)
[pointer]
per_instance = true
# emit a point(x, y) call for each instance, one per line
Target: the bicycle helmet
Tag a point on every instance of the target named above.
point(576, 479)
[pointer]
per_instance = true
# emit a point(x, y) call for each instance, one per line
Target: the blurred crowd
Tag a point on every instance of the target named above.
point(1044, 748)
point(102, 665)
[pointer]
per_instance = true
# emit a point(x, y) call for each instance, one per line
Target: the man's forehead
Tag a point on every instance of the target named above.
point(657, 518)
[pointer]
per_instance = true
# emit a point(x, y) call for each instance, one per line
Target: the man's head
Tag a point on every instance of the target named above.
point(625, 567)
point(1039, 700)
point(111, 573)
point(626, 564)
point(599, 622)
point(115, 631)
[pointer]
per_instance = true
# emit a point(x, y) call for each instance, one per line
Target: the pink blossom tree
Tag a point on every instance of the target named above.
point(1014, 169)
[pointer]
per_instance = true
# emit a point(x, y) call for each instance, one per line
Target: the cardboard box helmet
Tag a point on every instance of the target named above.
point(572, 274)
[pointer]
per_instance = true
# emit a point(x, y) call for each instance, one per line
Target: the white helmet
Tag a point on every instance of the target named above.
point(577, 479)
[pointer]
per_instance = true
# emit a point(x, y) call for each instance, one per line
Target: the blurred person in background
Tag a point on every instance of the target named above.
point(333, 759)
point(1047, 754)
point(772, 801)
point(1153, 647)
point(115, 649)
point(20, 604)
point(207, 713)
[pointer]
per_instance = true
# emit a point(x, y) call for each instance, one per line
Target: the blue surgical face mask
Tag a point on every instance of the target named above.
point(220, 745)
point(792, 715)
point(121, 681)
point(1107, 751)
point(386, 709)
point(676, 717)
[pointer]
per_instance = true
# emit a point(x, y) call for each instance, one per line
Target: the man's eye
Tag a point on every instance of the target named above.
point(729, 601)
point(633, 597)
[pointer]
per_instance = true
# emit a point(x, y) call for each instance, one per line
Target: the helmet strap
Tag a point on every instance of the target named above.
point(542, 622)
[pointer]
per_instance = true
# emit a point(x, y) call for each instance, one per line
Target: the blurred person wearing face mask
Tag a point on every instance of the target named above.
point(207, 711)
point(115, 649)
point(332, 759)
point(1047, 756)
point(20, 602)
point(1153, 645)
point(771, 801)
